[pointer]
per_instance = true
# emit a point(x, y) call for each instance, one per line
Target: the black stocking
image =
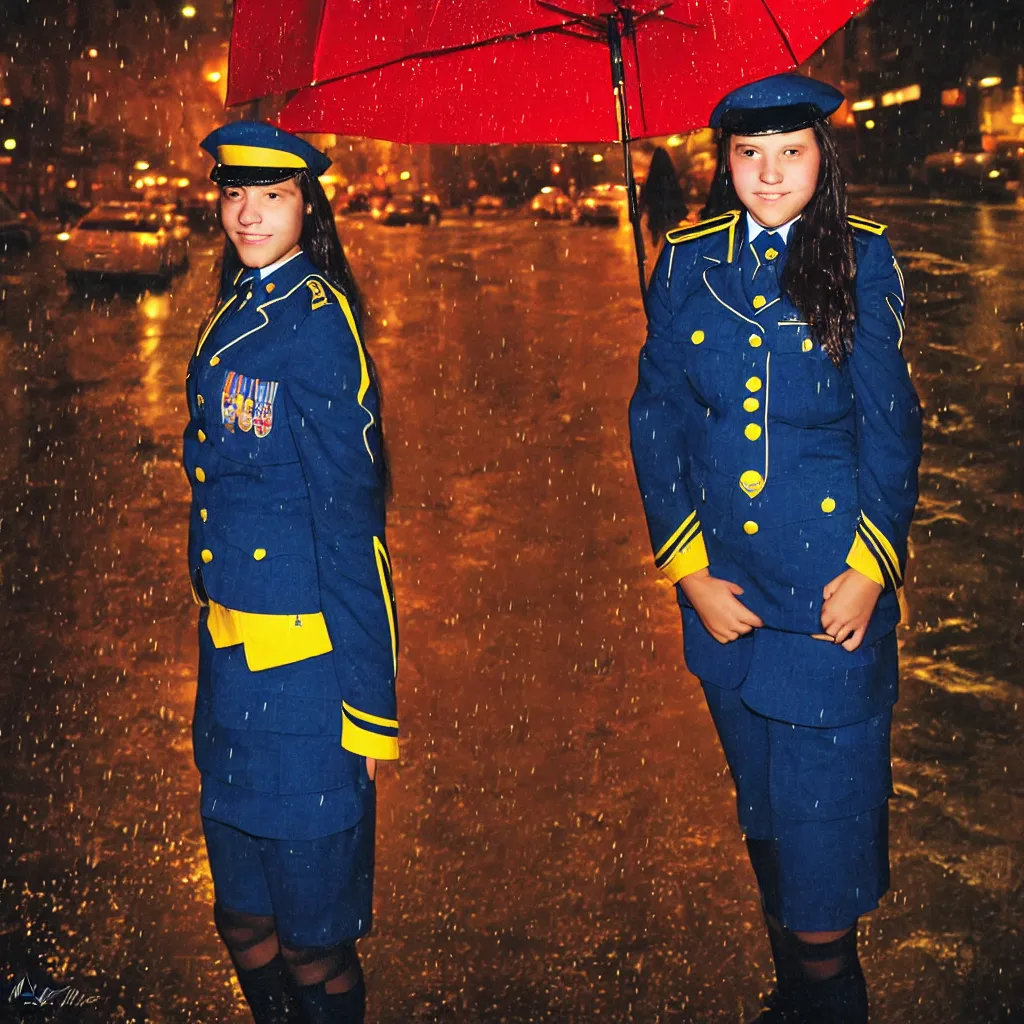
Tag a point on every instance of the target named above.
point(252, 942)
point(329, 983)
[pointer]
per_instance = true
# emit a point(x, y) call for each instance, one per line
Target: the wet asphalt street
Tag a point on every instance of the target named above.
point(558, 842)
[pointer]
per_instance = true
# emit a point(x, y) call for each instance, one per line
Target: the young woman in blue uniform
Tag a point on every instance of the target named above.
point(776, 440)
point(287, 555)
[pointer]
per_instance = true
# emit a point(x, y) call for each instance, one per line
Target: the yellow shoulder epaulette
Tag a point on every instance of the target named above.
point(318, 291)
point(688, 233)
point(866, 225)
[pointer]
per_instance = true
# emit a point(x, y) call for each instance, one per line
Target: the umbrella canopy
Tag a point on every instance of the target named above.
point(466, 71)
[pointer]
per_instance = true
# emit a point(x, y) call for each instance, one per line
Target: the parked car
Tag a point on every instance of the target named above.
point(551, 202)
point(412, 208)
point(485, 206)
point(121, 240)
point(971, 171)
point(602, 204)
point(18, 228)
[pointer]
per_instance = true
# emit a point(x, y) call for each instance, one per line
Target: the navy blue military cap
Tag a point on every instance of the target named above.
point(780, 103)
point(257, 153)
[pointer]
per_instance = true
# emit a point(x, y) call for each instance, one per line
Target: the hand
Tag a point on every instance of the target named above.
point(850, 600)
point(371, 768)
point(716, 602)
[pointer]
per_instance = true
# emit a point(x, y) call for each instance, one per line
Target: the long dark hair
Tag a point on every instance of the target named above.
point(319, 241)
point(820, 268)
point(662, 197)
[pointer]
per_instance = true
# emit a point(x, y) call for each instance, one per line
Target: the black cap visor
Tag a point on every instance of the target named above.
point(771, 120)
point(228, 176)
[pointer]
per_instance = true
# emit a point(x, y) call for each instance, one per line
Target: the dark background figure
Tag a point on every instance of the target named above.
point(662, 199)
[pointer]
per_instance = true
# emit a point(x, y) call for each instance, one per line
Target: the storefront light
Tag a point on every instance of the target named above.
point(868, 104)
point(907, 94)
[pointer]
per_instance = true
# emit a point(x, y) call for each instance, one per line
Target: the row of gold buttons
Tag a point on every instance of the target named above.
point(207, 555)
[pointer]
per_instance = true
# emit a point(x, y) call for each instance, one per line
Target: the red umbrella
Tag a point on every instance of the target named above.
point(473, 71)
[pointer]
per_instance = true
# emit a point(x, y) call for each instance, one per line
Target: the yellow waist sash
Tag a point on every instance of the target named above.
point(269, 640)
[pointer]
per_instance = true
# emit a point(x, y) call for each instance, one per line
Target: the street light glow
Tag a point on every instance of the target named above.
point(93, 52)
point(869, 124)
point(991, 82)
point(597, 158)
point(10, 144)
point(142, 165)
point(188, 11)
point(405, 176)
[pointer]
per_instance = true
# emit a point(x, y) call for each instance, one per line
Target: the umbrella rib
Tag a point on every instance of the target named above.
point(444, 51)
point(782, 34)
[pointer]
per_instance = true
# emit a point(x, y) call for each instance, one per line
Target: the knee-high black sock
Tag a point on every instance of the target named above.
point(842, 996)
point(268, 991)
point(322, 1007)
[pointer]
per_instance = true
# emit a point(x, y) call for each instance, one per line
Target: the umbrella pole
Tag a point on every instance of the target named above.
point(622, 116)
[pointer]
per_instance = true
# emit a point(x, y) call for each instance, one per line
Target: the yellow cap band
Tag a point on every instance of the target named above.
point(257, 156)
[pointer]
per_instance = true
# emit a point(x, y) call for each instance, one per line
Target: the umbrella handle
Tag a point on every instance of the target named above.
point(622, 117)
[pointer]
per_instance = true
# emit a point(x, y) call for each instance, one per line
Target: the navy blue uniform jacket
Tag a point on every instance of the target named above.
point(760, 459)
point(287, 550)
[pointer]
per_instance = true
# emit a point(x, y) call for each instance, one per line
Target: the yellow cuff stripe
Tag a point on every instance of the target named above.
point(861, 559)
point(367, 744)
point(667, 546)
point(688, 559)
point(257, 156)
point(388, 723)
point(887, 549)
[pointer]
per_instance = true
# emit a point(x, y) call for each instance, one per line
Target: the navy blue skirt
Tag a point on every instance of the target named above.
point(821, 796)
point(319, 891)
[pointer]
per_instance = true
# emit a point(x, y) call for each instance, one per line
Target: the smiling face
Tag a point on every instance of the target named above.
point(263, 221)
point(775, 175)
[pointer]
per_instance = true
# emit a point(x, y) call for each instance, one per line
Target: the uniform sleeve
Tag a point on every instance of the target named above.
point(333, 413)
point(657, 430)
point(888, 421)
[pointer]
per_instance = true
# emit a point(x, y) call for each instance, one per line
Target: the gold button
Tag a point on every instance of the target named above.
point(200, 400)
point(750, 527)
point(697, 337)
point(259, 554)
point(751, 481)
point(754, 341)
point(200, 474)
point(202, 437)
point(828, 505)
point(215, 360)
point(751, 404)
point(759, 301)
point(770, 254)
point(807, 345)
point(751, 431)
point(203, 514)
point(754, 384)
point(270, 287)
point(206, 555)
